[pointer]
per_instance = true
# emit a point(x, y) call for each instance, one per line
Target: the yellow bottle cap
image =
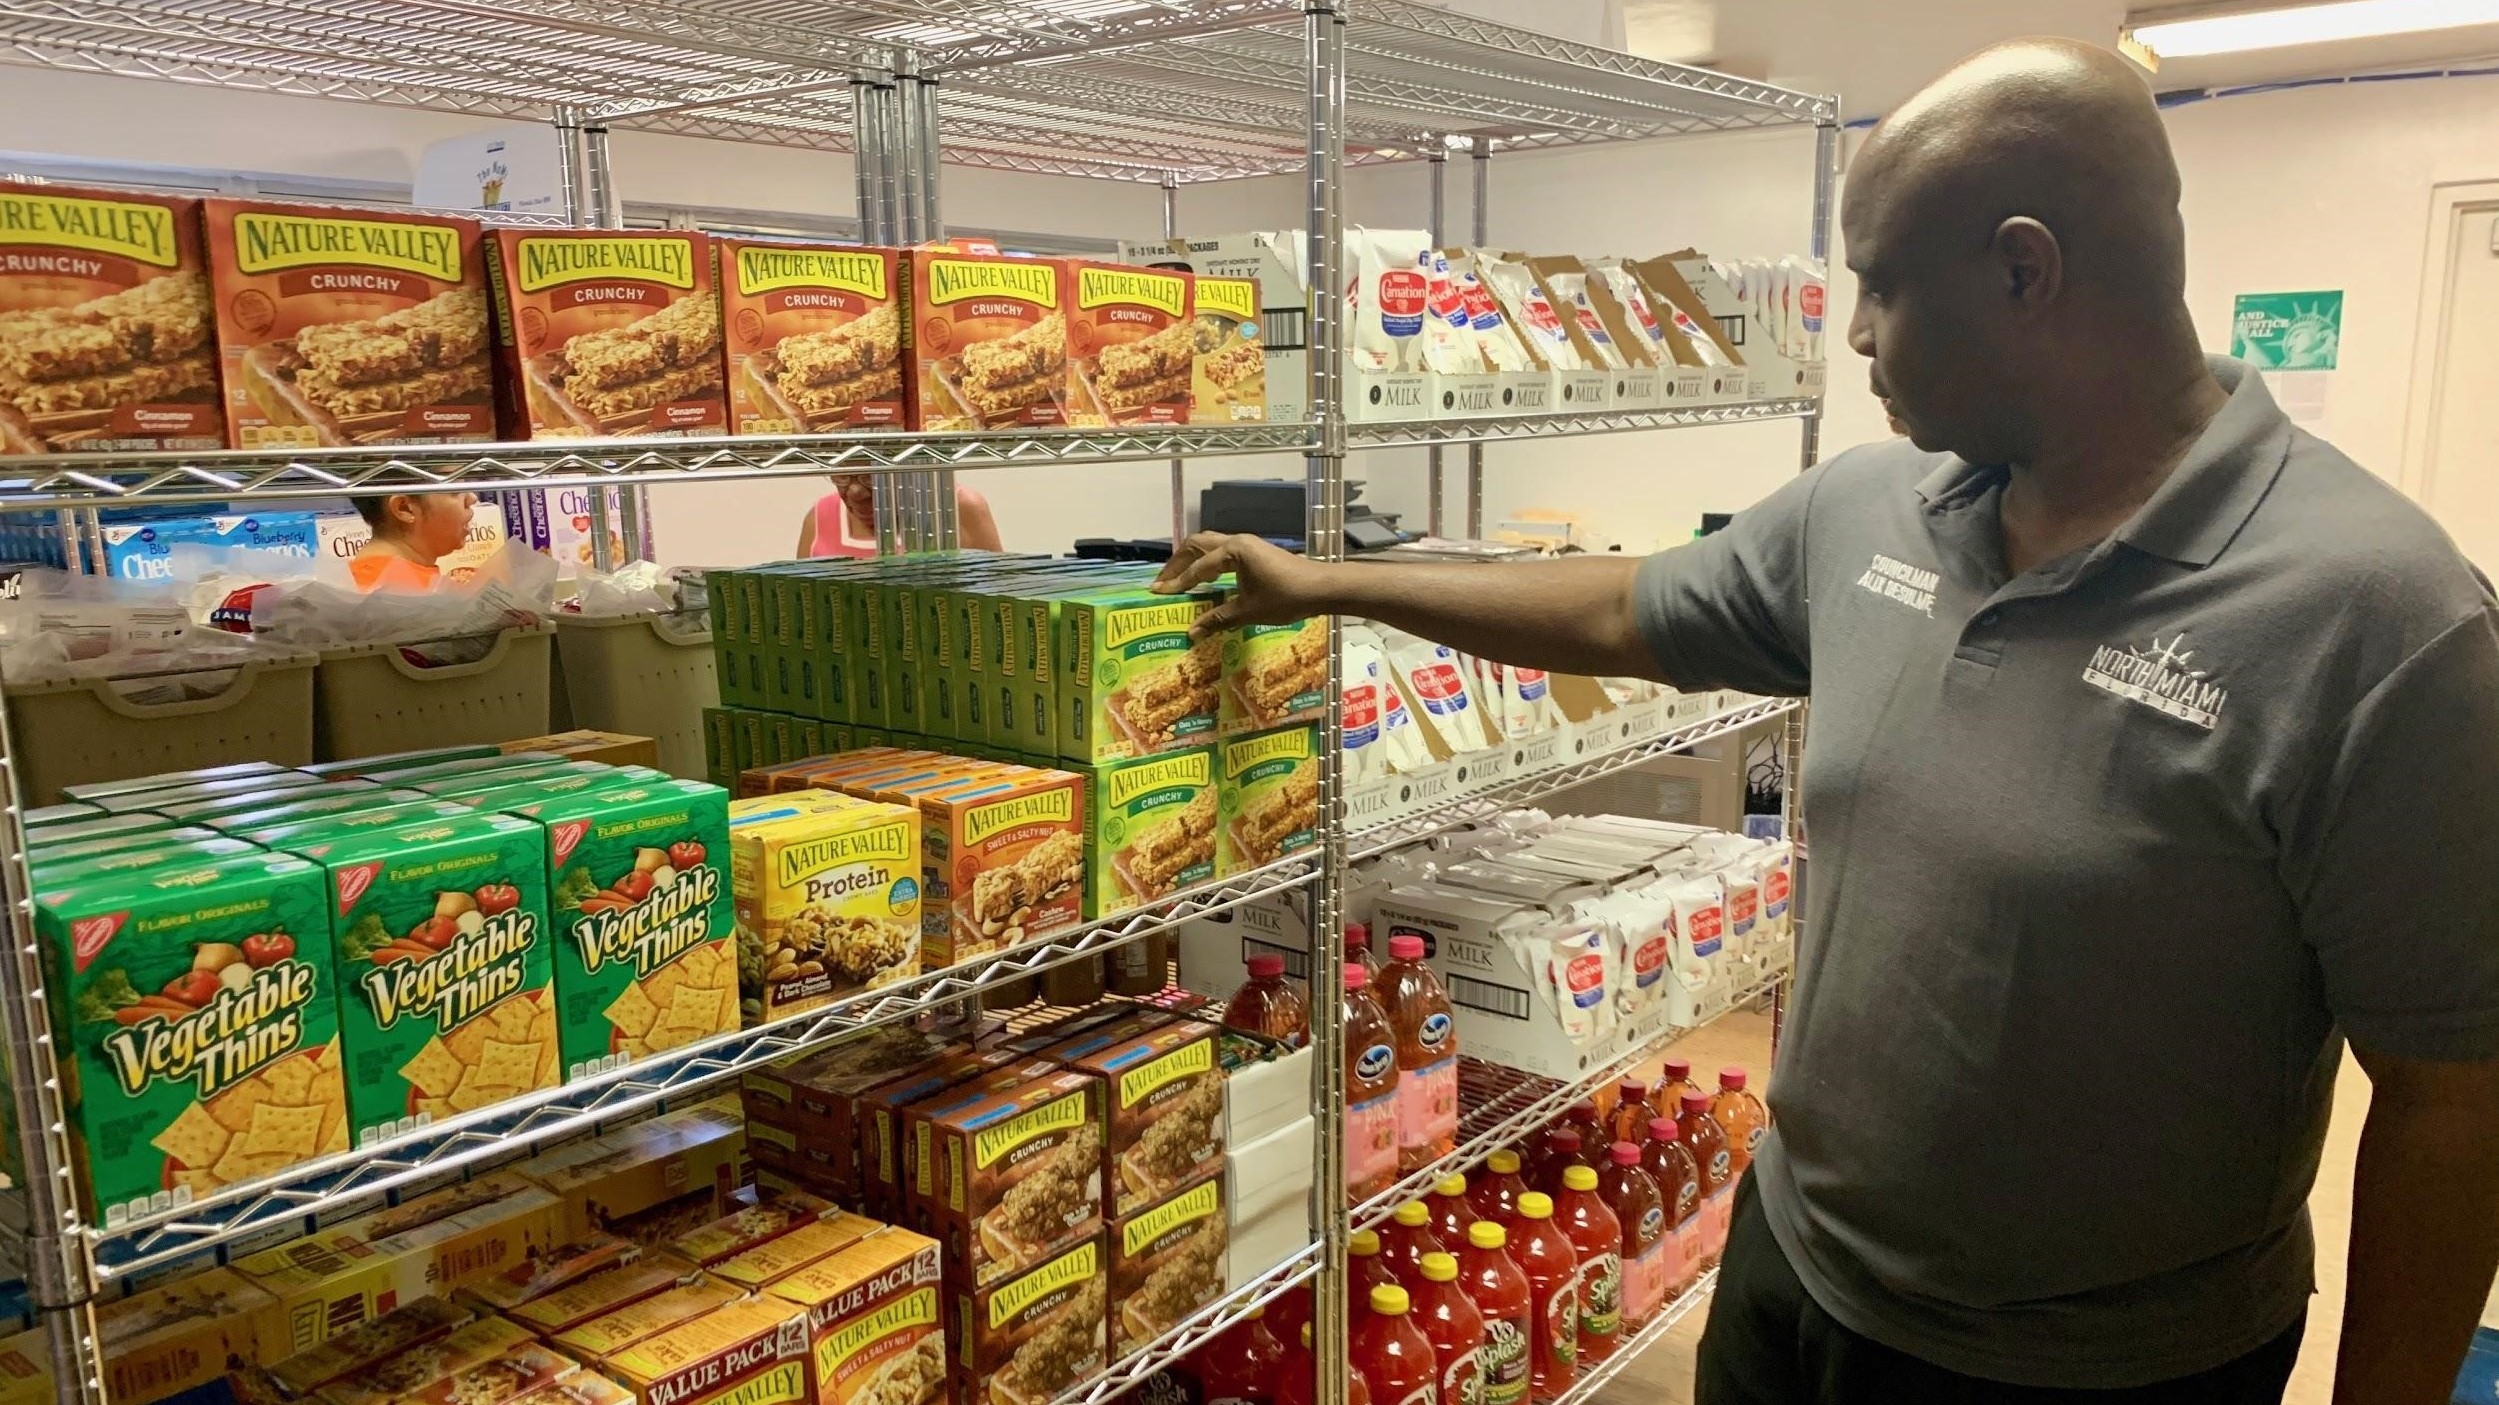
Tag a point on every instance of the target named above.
point(1536, 1205)
point(1441, 1268)
point(1484, 1234)
point(1306, 1341)
point(1503, 1163)
point(1414, 1214)
point(1389, 1300)
point(1450, 1185)
point(1578, 1178)
point(1364, 1243)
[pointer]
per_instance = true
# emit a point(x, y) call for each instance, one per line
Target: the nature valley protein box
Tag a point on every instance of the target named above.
point(344, 327)
point(814, 335)
point(984, 340)
point(197, 1009)
point(1131, 343)
point(106, 325)
point(607, 332)
point(828, 902)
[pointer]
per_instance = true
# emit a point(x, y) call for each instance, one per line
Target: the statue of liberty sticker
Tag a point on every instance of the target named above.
point(2287, 331)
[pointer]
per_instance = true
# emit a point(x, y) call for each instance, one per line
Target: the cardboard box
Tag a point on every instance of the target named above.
point(752, 1351)
point(883, 1118)
point(108, 323)
point(785, 1254)
point(768, 1219)
point(1131, 345)
point(424, 1320)
point(814, 335)
point(873, 1321)
point(646, 1316)
point(985, 340)
point(181, 1335)
point(1024, 1340)
point(403, 1377)
point(1229, 377)
point(1163, 1096)
point(596, 1296)
point(827, 903)
point(1266, 1186)
point(1268, 800)
point(609, 1179)
point(1149, 828)
point(1167, 1262)
point(339, 327)
point(1272, 260)
point(1017, 1165)
point(1004, 860)
point(604, 332)
point(589, 744)
point(1274, 675)
point(1134, 682)
point(553, 1272)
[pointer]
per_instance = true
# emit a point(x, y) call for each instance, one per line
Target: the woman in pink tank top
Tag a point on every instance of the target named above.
point(843, 522)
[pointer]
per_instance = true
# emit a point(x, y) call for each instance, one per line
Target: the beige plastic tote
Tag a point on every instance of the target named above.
point(370, 699)
point(78, 730)
point(644, 676)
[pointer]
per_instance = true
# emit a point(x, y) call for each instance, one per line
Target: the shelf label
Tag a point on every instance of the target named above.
point(1431, 785)
point(1641, 721)
point(1527, 392)
point(1689, 385)
point(1541, 752)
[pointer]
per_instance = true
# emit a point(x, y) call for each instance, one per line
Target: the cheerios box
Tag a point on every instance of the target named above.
point(196, 1005)
point(445, 966)
point(645, 953)
point(828, 902)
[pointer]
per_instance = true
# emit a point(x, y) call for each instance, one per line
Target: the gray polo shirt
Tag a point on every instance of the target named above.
point(2106, 859)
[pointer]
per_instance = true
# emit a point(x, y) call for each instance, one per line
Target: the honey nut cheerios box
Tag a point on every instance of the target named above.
point(814, 334)
point(645, 951)
point(828, 901)
point(602, 331)
point(874, 1313)
point(197, 1006)
point(445, 964)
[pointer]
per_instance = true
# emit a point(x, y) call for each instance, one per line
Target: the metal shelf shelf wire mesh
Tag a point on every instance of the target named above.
point(557, 1114)
point(1489, 429)
point(1194, 1331)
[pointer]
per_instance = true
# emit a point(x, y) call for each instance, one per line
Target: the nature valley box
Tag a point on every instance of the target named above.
point(984, 340)
point(1010, 1170)
point(1274, 674)
point(607, 332)
point(181, 1335)
point(873, 1321)
point(1167, 1261)
point(332, 1281)
point(828, 903)
point(1135, 682)
point(1163, 1105)
point(1027, 1339)
point(1132, 345)
point(446, 967)
point(1005, 860)
point(788, 1253)
point(814, 334)
point(645, 955)
point(597, 1295)
point(1268, 801)
point(1231, 367)
point(1149, 828)
point(197, 1008)
point(749, 1352)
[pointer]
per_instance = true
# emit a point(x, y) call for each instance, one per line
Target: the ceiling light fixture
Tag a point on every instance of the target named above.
point(2192, 33)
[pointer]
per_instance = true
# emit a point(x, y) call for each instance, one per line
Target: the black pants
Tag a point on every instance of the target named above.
point(1769, 1343)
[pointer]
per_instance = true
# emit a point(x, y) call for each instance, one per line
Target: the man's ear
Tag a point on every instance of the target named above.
point(2032, 264)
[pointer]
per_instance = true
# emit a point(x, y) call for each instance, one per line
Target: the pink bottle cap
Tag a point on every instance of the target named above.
point(1584, 1110)
point(1405, 948)
point(1357, 975)
point(1565, 1140)
point(1266, 966)
point(1731, 1078)
point(1661, 1129)
point(1677, 1070)
point(1357, 936)
point(1696, 1102)
point(1624, 1154)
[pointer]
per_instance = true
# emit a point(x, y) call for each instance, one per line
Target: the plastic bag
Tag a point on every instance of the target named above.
point(639, 588)
point(516, 586)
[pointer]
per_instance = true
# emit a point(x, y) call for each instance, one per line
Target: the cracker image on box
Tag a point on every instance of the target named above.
point(197, 1007)
point(1132, 345)
point(106, 325)
point(1136, 681)
point(446, 967)
point(341, 327)
point(1149, 827)
point(606, 332)
point(827, 902)
point(1274, 674)
point(985, 340)
point(1269, 800)
point(814, 335)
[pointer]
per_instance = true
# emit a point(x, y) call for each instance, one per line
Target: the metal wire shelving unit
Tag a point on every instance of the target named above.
point(1169, 92)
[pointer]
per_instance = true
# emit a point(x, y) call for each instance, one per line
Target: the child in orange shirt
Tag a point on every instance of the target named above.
point(412, 532)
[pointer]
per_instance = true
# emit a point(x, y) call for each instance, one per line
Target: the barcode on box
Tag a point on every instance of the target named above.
point(1507, 1001)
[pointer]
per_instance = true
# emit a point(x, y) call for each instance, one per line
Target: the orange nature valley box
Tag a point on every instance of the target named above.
point(984, 339)
point(873, 1321)
point(606, 331)
point(1131, 345)
point(749, 1352)
point(814, 335)
point(106, 327)
point(342, 327)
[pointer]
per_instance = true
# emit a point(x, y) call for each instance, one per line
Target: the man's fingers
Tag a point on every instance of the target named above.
point(1200, 559)
point(1217, 620)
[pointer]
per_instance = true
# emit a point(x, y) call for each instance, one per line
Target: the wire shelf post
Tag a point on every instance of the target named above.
point(1438, 156)
point(1479, 150)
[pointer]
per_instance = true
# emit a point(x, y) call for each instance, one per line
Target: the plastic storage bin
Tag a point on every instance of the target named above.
point(642, 675)
point(370, 699)
point(76, 730)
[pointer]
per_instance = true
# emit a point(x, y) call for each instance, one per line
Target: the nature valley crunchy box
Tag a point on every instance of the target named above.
point(1231, 365)
point(1268, 801)
point(1013, 1170)
point(814, 333)
point(1131, 344)
point(873, 1321)
point(445, 967)
point(105, 323)
point(749, 1352)
point(607, 332)
point(1027, 1339)
point(1164, 1105)
point(1135, 681)
point(341, 327)
point(828, 902)
point(984, 340)
point(1149, 828)
point(1167, 1262)
point(1274, 674)
point(196, 1005)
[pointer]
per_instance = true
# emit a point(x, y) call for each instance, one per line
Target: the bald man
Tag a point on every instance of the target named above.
point(2155, 752)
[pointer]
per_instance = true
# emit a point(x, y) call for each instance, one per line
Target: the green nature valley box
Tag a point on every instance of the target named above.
point(1136, 682)
point(1274, 675)
point(1268, 798)
point(446, 967)
point(1149, 828)
point(645, 922)
point(197, 1008)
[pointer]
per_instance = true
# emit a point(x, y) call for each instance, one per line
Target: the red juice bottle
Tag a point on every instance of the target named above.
point(1267, 1005)
point(1678, 1177)
point(1563, 1149)
point(1672, 1087)
point(1740, 1115)
point(1452, 1212)
point(1366, 1268)
point(1391, 1353)
point(1584, 1119)
point(1632, 1113)
point(1449, 1319)
point(1640, 1209)
point(1299, 1383)
point(1551, 1262)
point(1239, 1367)
point(1593, 1230)
point(1707, 1141)
point(1494, 1196)
point(1499, 1289)
point(1287, 1313)
point(1370, 1089)
point(1358, 948)
point(1405, 1239)
point(1427, 1055)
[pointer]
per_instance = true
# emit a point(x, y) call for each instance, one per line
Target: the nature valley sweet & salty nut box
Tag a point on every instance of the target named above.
point(197, 1007)
point(1005, 858)
point(749, 1352)
point(815, 335)
point(873, 1321)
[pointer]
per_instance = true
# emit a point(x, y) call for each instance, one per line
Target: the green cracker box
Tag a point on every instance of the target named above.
point(1267, 802)
point(195, 1008)
point(1149, 828)
point(102, 826)
point(548, 785)
point(41, 855)
point(645, 927)
point(399, 760)
point(1136, 682)
point(95, 791)
point(313, 805)
point(719, 746)
point(63, 813)
point(157, 801)
point(216, 808)
point(1274, 675)
point(445, 967)
point(55, 871)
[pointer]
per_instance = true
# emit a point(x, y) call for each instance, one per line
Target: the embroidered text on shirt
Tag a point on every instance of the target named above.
point(1898, 580)
point(2159, 679)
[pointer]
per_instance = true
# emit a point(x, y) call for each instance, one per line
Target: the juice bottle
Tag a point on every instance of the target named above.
point(1494, 1196)
point(1632, 1112)
point(1498, 1287)
point(1366, 1267)
point(1640, 1208)
point(1299, 1384)
point(1288, 1313)
point(1598, 1235)
point(1701, 1135)
point(1358, 949)
point(1370, 1089)
point(1678, 1177)
point(1551, 1262)
point(1239, 1367)
point(1456, 1330)
point(1405, 1239)
point(1267, 1005)
point(1427, 1055)
point(1563, 1148)
point(1740, 1115)
point(1452, 1212)
point(1672, 1087)
point(1584, 1119)
point(1391, 1354)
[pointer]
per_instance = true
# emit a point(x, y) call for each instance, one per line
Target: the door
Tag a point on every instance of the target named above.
point(2453, 446)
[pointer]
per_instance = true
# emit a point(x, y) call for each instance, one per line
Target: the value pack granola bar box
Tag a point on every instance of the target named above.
point(1013, 1169)
point(814, 335)
point(1131, 345)
point(1267, 800)
point(607, 332)
point(1025, 1340)
point(749, 1352)
point(874, 1314)
point(1167, 1262)
point(1135, 682)
point(106, 325)
point(1004, 855)
point(984, 340)
point(644, 932)
point(1163, 1112)
point(1274, 674)
point(197, 1007)
point(827, 902)
point(1149, 828)
point(446, 967)
point(349, 327)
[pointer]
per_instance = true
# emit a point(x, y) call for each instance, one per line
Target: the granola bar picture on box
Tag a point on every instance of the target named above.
point(106, 325)
point(343, 327)
point(1274, 674)
point(1132, 345)
point(814, 335)
point(1149, 827)
point(986, 340)
point(603, 332)
point(1269, 797)
point(1231, 361)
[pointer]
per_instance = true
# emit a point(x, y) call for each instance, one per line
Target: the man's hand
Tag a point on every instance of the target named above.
point(1272, 585)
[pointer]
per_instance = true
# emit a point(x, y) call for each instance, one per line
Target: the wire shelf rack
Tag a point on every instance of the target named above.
point(1489, 429)
point(1195, 1331)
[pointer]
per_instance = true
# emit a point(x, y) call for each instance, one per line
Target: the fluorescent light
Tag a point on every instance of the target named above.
point(2282, 27)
